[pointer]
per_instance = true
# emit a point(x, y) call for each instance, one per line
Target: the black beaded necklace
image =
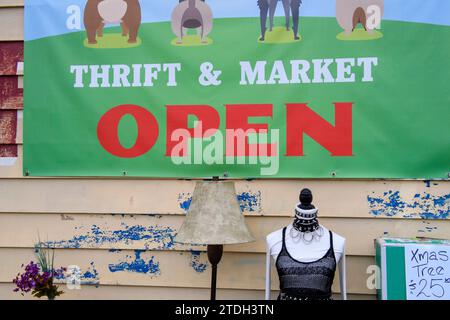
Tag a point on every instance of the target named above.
point(305, 220)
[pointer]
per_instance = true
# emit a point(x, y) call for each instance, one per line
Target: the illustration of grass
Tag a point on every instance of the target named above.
point(112, 41)
point(280, 35)
point(360, 34)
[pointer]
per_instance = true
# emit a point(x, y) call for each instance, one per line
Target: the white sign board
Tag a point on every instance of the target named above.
point(427, 271)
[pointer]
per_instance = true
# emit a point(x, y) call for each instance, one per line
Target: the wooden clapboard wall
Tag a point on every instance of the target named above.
point(120, 231)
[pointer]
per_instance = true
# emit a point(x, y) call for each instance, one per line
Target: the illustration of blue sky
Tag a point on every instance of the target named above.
point(48, 17)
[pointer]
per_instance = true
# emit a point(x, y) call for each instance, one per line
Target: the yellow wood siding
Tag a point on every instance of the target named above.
point(11, 23)
point(62, 230)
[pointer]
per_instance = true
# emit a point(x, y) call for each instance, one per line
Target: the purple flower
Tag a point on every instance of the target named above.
point(41, 283)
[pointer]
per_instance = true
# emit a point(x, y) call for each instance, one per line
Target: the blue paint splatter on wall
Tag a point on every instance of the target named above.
point(163, 236)
point(90, 276)
point(78, 276)
point(249, 202)
point(185, 200)
point(195, 262)
point(138, 265)
point(389, 204)
point(423, 205)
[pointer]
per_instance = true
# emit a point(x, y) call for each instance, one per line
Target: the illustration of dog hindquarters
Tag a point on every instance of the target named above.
point(351, 13)
point(192, 14)
point(97, 13)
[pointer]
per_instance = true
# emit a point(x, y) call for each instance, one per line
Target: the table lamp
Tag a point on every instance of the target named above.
point(214, 219)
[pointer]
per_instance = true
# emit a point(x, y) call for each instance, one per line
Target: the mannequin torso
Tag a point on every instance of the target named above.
point(307, 264)
point(305, 252)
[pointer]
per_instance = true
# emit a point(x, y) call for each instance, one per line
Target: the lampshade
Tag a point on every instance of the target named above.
point(214, 216)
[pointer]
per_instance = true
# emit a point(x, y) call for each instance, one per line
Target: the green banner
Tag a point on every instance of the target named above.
point(247, 89)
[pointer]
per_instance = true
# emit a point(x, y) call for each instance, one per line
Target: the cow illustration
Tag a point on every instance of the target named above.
point(97, 13)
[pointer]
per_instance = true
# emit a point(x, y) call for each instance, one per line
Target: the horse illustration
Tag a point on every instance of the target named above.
point(269, 6)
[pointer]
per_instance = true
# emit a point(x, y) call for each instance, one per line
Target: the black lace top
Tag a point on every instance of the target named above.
point(305, 280)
